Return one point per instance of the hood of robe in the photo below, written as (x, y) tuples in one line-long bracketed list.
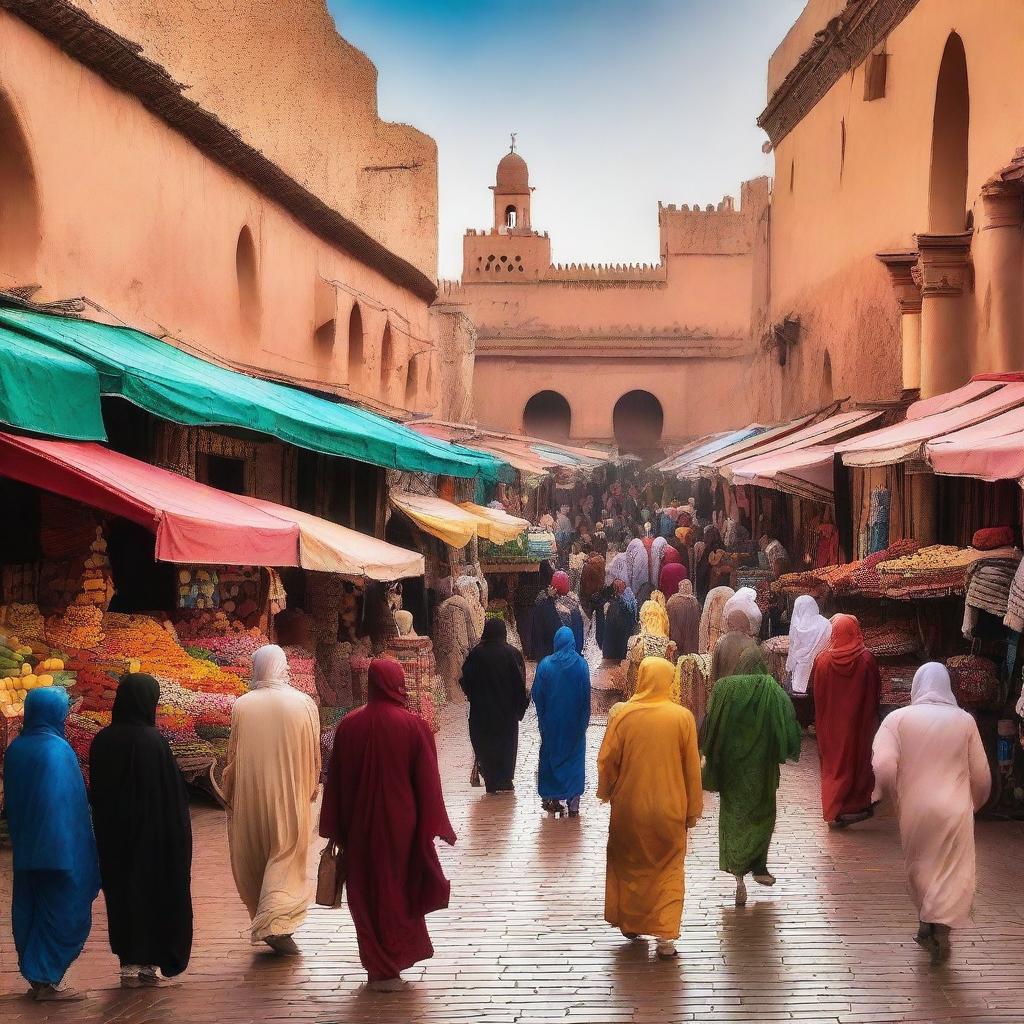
[(932, 685), (135, 702), (386, 682), (269, 669)]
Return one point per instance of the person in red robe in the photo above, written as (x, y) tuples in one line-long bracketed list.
[(845, 684), (384, 807)]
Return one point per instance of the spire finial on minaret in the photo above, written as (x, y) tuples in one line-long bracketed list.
[(512, 148)]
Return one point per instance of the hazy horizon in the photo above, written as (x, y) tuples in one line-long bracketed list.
[(616, 106)]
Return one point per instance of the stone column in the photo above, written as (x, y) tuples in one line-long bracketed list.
[(902, 267), (945, 269), (1001, 236)]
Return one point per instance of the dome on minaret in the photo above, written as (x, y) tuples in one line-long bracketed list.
[(513, 176)]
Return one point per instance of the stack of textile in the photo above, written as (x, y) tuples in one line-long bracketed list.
[(988, 588), (975, 680), (776, 651), (878, 520), (1014, 618), (540, 544), (690, 686)]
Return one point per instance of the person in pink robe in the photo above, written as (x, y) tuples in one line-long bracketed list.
[(929, 758)]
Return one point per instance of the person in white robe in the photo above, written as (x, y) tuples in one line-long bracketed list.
[(929, 758), (809, 633), (270, 784)]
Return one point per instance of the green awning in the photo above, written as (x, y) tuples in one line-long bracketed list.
[(178, 386), (45, 391)]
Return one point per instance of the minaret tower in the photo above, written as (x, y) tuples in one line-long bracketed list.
[(512, 190)]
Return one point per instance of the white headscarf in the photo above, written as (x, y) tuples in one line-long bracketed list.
[(809, 633), (932, 686), (269, 669), (744, 600)]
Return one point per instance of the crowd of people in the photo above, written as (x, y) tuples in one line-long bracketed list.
[(129, 835)]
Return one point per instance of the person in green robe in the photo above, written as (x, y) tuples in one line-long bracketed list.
[(750, 729)]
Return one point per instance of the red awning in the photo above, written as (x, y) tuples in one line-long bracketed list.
[(991, 450), (906, 440), (192, 522)]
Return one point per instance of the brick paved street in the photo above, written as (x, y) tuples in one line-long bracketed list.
[(524, 941)]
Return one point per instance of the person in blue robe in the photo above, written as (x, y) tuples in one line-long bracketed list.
[(56, 871), (561, 694)]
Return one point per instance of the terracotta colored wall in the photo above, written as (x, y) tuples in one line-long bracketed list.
[(840, 211), (278, 72), (134, 217), (676, 329)]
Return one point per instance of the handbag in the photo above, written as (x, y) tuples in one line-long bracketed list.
[(330, 876)]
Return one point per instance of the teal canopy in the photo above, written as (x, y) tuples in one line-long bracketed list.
[(45, 391), (178, 386)]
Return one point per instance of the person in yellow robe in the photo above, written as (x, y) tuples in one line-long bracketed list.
[(649, 769)]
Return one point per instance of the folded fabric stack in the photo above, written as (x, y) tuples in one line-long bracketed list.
[(540, 544), (975, 680), (1014, 618), (988, 589)]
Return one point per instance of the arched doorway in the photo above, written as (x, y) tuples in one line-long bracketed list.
[(637, 421), (947, 185), (20, 221), (547, 414)]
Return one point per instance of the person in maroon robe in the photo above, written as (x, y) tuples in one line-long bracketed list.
[(845, 684), (383, 805)]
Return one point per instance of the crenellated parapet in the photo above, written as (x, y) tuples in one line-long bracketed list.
[(605, 272)]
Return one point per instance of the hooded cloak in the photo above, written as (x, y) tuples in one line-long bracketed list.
[(383, 804), (56, 874), (683, 618), (845, 685), (143, 833), (809, 634), (561, 694), (494, 681)]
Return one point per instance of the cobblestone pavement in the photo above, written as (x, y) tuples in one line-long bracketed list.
[(523, 940)]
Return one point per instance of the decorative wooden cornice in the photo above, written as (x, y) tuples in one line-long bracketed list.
[(902, 267), (119, 60), (550, 345), (841, 45), (945, 264)]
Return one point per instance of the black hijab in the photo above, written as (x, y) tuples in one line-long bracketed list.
[(143, 832)]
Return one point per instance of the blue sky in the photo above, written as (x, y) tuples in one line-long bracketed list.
[(616, 104)]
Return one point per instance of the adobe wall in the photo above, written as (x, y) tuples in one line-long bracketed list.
[(835, 206), (278, 72), (133, 216)]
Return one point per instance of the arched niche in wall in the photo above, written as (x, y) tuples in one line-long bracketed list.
[(825, 391), (412, 382), (637, 421), (247, 278), (947, 182), (355, 347), (20, 214), (387, 365), (547, 414)]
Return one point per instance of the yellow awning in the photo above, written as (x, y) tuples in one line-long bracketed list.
[(439, 518), (495, 525), (329, 547)]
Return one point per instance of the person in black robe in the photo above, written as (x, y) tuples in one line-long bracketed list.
[(143, 836), (494, 681), (620, 622)]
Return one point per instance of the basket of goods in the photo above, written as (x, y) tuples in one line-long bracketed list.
[(975, 680), (938, 570), (510, 551)]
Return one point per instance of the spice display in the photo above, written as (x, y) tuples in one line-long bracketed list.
[(975, 680), (935, 571), (23, 620)]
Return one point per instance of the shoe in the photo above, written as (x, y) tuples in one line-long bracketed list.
[(387, 985), (282, 945), (845, 820), (55, 994), (553, 806), (667, 950), (632, 936), (741, 893), (154, 979), (574, 814), (765, 879), (130, 981), (940, 939)]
